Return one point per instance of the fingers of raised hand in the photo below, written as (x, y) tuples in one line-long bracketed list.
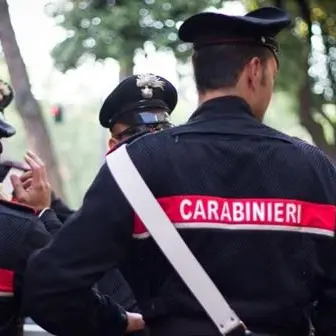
[(32, 163), (20, 192), (35, 158), (38, 170), (27, 183), (26, 176)]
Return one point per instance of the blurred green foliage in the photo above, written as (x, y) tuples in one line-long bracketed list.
[(308, 50), (293, 46), (94, 28), (308, 65)]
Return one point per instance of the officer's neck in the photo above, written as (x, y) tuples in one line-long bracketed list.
[(221, 93), (209, 95)]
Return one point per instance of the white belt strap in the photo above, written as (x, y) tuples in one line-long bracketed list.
[(170, 242)]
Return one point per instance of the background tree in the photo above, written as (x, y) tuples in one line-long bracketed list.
[(28, 108), (308, 66), (308, 51), (101, 30)]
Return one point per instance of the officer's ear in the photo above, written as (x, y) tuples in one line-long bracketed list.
[(112, 142)]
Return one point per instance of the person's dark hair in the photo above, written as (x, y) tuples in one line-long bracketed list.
[(219, 66)]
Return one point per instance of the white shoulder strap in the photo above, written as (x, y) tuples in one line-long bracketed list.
[(169, 240)]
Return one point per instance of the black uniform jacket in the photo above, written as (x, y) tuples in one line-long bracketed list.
[(112, 283), (256, 207), (21, 233)]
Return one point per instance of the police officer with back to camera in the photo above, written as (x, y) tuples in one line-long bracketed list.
[(23, 229), (255, 206)]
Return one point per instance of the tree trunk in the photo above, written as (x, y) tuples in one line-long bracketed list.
[(307, 107), (126, 68), (313, 127), (27, 106)]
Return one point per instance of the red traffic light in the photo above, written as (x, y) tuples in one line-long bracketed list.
[(57, 113)]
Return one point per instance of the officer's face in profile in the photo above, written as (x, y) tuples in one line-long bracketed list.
[(118, 134), (259, 78)]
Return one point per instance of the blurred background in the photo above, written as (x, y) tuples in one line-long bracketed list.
[(64, 57)]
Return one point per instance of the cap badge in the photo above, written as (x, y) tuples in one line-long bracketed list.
[(147, 82)]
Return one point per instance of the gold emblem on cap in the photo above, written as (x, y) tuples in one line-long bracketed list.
[(147, 82)]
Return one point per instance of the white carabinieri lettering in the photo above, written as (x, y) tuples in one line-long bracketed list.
[(240, 211)]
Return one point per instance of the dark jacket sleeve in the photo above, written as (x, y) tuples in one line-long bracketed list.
[(114, 285), (51, 221), (59, 278), (20, 236), (62, 211)]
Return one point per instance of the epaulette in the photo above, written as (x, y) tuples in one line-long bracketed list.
[(18, 206)]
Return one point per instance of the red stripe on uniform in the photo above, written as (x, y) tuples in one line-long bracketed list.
[(6, 282), (192, 212)]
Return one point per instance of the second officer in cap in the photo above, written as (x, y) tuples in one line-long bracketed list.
[(139, 104), (255, 206)]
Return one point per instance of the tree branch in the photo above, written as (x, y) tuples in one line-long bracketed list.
[(328, 53), (306, 104), (330, 122)]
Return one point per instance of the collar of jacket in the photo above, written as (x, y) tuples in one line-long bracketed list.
[(127, 141), (230, 106), (227, 115)]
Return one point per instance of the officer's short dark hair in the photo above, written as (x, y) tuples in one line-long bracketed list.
[(219, 66), (123, 119)]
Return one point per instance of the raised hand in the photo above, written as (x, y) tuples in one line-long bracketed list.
[(33, 188)]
